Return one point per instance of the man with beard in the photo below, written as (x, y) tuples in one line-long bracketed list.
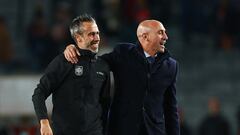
[(144, 101), (79, 91)]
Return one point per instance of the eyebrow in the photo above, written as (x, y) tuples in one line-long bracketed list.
[(94, 32), (161, 30)]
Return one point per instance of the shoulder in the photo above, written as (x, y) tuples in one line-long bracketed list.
[(60, 59), (172, 60), (58, 62), (169, 62), (172, 64)]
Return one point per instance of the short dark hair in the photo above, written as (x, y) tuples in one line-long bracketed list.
[(76, 25)]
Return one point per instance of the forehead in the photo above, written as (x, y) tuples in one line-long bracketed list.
[(90, 26), (158, 26)]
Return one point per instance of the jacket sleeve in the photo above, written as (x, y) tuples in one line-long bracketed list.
[(170, 108), (113, 57), (49, 82)]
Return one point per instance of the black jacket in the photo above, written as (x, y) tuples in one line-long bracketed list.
[(144, 94), (79, 91)]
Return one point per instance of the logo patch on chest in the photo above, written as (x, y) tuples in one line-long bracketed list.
[(78, 70)]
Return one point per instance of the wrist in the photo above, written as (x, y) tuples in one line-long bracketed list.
[(44, 122)]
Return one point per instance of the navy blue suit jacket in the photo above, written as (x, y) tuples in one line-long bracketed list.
[(143, 93)]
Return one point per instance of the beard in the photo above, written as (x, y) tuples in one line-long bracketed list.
[(93, 46)]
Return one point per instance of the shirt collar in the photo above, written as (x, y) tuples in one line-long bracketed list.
[(148, 55)]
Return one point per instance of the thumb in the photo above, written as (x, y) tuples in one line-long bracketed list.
[(78, 53)]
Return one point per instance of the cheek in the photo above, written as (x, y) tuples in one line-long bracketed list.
[(88, 41), (91, 38), (155, 40)]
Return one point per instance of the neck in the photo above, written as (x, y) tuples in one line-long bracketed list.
[(150, 51), (80, 47)]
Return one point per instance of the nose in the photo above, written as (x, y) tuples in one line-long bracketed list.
[(165, 36), (96, 36)]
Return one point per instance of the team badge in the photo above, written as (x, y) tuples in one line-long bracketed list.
[(78, 70)]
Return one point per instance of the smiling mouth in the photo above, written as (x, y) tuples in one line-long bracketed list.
[(94, 43), (162, 46), (163, 43)]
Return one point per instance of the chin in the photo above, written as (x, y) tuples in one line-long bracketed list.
[(161, 50), (95, 50)]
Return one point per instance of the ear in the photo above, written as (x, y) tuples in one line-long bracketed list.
[(78, 38), (145, 36)]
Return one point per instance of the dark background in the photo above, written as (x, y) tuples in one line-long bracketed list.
[(203, 37)]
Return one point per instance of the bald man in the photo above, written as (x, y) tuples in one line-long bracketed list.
[(144, 101)]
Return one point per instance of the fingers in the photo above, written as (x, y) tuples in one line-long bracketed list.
[(78, 53), (66, 55), (46, 133), (71, 54)]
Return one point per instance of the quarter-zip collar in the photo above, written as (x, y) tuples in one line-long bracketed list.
[(87, 53)]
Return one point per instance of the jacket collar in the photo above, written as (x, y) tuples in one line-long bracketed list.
[(86, 53), (159, 55)]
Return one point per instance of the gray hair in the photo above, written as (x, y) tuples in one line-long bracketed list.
[(76, 25)]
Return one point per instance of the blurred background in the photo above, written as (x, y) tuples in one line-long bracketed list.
[(203, 37)]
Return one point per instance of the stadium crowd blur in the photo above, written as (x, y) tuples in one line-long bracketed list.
[(204, 36)]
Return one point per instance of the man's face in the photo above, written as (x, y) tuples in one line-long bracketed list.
[(90, 37), (157, 37)]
